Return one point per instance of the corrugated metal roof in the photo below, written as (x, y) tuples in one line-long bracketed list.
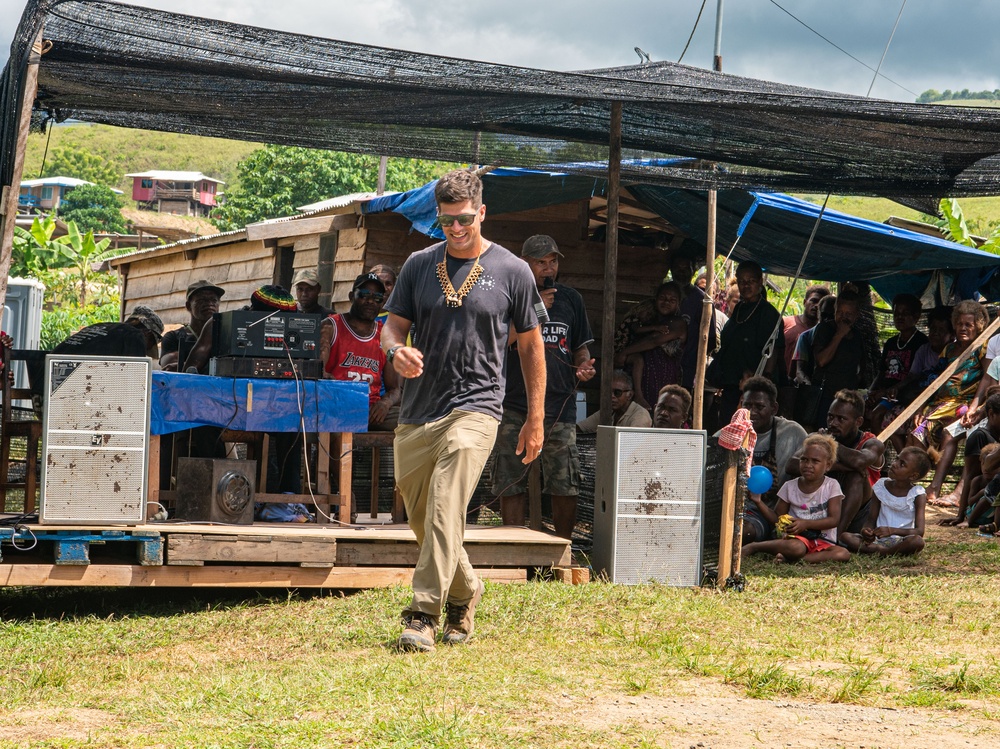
[(62, 181), (340, 201), (176, 176)]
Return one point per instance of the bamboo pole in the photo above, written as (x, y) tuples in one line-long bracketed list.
[(942, 378), (706, 314), (611, 262), (8, 197)]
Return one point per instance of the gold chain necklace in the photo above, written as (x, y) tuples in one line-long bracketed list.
[(747, 318), (454, 298)]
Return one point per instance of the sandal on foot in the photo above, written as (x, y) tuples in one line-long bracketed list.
[(989, 529)]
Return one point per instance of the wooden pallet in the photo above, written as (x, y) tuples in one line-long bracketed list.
[(264, 555), (72, 547), (233, 576)]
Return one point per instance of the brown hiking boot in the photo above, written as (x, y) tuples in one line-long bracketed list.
[(419, 633), (460, 621)]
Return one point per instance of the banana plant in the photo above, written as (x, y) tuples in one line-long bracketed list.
[(956, 229), (83, 252), (34, 250)]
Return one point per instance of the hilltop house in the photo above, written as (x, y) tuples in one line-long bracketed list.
[(46, 193), (182, 193)]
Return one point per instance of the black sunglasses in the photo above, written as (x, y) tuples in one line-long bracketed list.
[(378, 296), (463, 219), (619, 393)]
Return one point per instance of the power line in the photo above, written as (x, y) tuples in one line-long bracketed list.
[(832, 44), (684, 51)]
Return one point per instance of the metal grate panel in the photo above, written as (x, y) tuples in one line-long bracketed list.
[(96, 440), (648, 513)]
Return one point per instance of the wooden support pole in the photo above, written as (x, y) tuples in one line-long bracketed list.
[(611, 262), (9, 193), (706, 314), (728, 512), (942, 378)]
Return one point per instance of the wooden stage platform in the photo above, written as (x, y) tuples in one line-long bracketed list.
[(261, 555)]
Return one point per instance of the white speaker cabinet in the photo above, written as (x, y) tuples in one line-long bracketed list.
[(95, 440), (648, 505)]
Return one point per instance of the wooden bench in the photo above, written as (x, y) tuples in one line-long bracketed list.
[(377, 441)]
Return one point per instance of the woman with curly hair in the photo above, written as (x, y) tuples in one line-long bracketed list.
[(951, 401)]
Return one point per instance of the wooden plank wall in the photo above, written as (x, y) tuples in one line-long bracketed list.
[(161, 282)]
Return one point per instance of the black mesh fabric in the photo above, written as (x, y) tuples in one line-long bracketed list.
[(137, 67)]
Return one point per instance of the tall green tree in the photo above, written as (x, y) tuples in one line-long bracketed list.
[(73, 161), (276, 180), (94, 208)]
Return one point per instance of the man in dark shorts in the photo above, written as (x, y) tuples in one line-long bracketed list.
[(566, 335), (464, 298)]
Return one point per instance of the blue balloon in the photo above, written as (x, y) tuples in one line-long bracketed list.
[(759, 480)]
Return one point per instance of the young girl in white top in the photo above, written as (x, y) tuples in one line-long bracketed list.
[(895, 523), (813, 501)]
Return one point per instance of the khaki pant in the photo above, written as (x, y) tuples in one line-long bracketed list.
[(437, 468)]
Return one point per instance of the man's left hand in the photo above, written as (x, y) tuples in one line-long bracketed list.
[(586, 371)]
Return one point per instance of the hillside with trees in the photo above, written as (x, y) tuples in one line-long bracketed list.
[(105, 154), (965, 97)]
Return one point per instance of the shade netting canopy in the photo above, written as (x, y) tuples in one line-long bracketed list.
[(768, 228), (138, 67)]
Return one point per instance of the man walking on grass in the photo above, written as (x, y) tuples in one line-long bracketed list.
[(464, 298)]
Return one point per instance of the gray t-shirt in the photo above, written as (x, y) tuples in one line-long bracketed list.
[(463, 347)]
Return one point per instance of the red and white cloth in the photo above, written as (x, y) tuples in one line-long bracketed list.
[(736, 431)]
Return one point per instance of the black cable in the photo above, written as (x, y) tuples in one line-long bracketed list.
[(694, 29), (45, 154), (832, 44)]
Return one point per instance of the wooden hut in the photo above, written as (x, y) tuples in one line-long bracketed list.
[(340, 242)]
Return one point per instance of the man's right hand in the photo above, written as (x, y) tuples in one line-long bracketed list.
[(408, 362), (548, 297)]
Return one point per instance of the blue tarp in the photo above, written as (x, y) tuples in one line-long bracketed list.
[(184, 401), (775, 229)]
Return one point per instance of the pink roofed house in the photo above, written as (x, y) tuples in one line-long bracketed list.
[(179, 193)]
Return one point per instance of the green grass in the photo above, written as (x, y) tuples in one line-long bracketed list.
[(169, 668)]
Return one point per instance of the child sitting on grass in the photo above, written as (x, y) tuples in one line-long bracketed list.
[(813, 501), (984, 490), (895, 522)]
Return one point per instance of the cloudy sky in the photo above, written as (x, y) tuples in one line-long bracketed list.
[(936, 45)]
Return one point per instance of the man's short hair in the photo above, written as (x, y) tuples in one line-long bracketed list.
[(621, 374), (459, 185), (750, 265), (678, 391), (992, 404), (761, 385), (909, 302), (817, 289), (853, 399)]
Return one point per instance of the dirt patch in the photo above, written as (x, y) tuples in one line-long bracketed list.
[(727, 722), (70, 724)]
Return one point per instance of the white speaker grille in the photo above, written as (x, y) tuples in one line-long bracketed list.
[(96, 440), (648, 512)]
